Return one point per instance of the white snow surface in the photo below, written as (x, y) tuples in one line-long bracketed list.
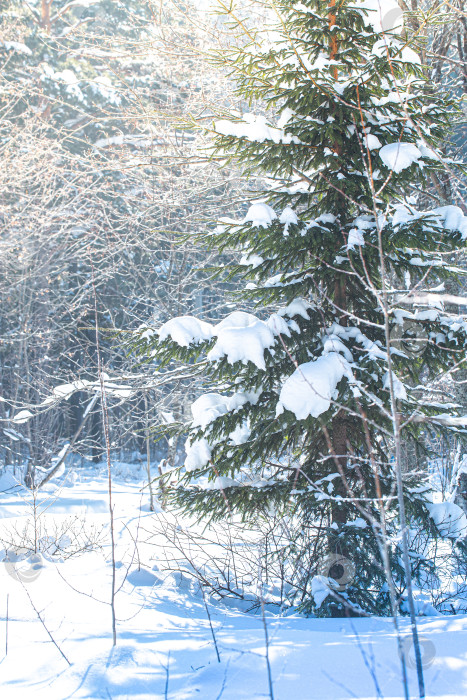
[(310, 389), (400, 155), (449, 518), (210, 406), (260, 214), (185, 330), (66, 76), (205, 410), (252, 260), (348, 332), (297, 307), (372, 142), (159, 612), (22, 417), (399, 388), (427, 151), (240, 434), (450, 217), (320, 588), (355, 238), (288, 217), (198, 454), (17, 46), (242, 337), (254, 127), (162, 623)]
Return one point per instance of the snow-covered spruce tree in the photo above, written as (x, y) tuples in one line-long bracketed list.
[(299, 416)]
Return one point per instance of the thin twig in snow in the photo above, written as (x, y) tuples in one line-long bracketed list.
[(43, 623)]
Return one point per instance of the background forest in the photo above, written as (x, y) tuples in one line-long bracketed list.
[(101, 174)]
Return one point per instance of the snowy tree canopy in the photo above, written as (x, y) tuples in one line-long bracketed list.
[(349, 134)]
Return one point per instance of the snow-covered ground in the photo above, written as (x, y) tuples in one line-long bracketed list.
[(165, 647)]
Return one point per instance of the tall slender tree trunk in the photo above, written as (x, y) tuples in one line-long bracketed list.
[(339, 423), (45, 15)]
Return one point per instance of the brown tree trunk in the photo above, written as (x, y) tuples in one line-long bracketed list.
[(339, 423), (45, 15), (332, 22)]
